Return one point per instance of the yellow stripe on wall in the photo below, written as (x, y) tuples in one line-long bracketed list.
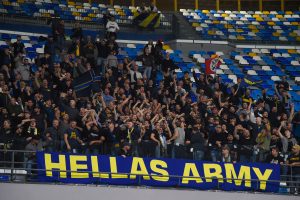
[(148, 20)]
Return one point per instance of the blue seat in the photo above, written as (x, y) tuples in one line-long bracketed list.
[(5, 36), (296, 97), (295, 87)]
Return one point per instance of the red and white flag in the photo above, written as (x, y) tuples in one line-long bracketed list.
[(212, 64)]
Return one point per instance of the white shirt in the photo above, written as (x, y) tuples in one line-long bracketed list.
[(154, 9), (138, 76), (112, 26)]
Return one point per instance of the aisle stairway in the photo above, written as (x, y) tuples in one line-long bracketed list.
[(185, 30)]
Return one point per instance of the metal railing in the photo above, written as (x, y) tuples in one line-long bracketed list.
[(14, 167), (165, 21)]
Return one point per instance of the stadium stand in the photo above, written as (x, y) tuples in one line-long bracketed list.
[(70, 10), (245, 25), (99, 95)]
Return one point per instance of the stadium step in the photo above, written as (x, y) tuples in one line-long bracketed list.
[(185, 30)]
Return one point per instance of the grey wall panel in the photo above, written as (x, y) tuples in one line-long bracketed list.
[(13, 191)]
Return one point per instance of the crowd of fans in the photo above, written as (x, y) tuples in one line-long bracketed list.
[(134, 114)]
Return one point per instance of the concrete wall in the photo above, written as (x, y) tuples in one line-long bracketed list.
[(13, 191), (186, 47)]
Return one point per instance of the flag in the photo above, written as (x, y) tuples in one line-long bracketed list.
[(251, 81), (147, 20), (86, 84), (211, 64)]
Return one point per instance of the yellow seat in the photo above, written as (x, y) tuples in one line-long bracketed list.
[(71, 3), (78, 7), (87, 19), (295, 23), (271, 23), (75, 13), (216, 22), (292, 51), (195, 24), (259, 19), (255, 31), (279, 16), (205, 11), (46, 15), (228, 26), (210, 32), (298, 38), (240, 37), (276, 34), (239, 30), (256, 16), (224, 15), (6, 3), (166, 47), (266, 12), (252, 54), (293, 34), (288, 12), (92, 15), (252, 26)]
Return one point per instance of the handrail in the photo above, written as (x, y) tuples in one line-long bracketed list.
[(15, 175), (169, 176)]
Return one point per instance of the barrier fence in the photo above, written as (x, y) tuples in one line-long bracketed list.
[(21, 166)]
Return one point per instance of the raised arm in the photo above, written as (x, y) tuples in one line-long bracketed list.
[(279, 130), (292, 113), (174, 137)]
